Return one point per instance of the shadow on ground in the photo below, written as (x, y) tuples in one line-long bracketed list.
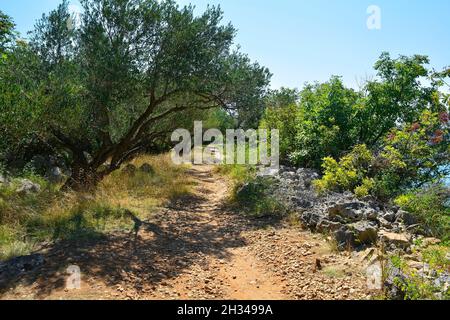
[(178, 236)]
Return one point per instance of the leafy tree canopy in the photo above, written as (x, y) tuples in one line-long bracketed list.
[(329, 119), (7, 34), (128, 74)]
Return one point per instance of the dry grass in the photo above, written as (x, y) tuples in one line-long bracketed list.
[(143, 192), (51, 215), (335, 271), (293, 220), (331, 244)]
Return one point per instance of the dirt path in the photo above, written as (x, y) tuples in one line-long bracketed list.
[(196, 248), (233, 274)]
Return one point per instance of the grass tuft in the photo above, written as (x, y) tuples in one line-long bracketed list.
[(51, 215)]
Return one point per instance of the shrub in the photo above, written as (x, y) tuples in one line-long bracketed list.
[(430, 206), (283, 118), (364, 189), (240, 174), (324, 125), (252, 194), (329, 118), (437, 257), (347, 174), (255, 199), (414, 284), (412, 156)]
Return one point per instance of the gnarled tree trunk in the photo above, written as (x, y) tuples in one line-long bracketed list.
[(83, 178)]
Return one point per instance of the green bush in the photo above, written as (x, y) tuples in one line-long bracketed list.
[(329, 119), (251, 194), (255, 199), (414, 155), (416, 286), (240, 174), (325, 125), (430, 206), (283, 118), (347, 174)]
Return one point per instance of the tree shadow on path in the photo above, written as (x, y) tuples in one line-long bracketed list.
[(180, 235)]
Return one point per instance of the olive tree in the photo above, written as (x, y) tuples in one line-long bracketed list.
[(131, 71), (7, 34)]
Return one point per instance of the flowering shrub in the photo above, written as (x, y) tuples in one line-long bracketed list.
[(410, 157)]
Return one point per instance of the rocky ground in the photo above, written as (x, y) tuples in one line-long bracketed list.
[(352, 222), (195, 248), (355, 225)]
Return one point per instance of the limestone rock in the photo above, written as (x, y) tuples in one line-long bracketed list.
[(3, 180), (365, 232), (399, 240), (344, 238), (353, 221), (55, 175), (28, 187)]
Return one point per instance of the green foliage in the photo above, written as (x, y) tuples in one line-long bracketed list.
[(281, 113), (7, 34), (350, 173), (239, 174), (324, 122), (283, 119), (22, 97), (412, 156), (52, 38), (251, 194), (415, 285), (281, 98), (254, 199), (219, 119), (437, 257), (396, 97), (313, 123), (329, 119), (364, 189), (122, 80), (430, 206)]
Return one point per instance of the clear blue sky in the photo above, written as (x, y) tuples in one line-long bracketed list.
[(308, 40)]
